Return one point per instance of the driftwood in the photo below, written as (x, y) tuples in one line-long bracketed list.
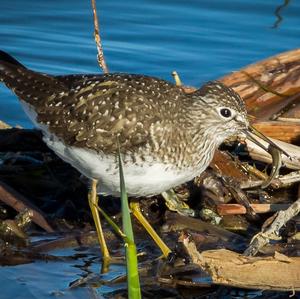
[(232, 269), (270, 89)]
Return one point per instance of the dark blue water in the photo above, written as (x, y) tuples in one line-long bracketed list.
[(202, 40)]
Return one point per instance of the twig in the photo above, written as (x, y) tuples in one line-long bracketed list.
[(240, 196), (272, 231), (100, 55), (277, 13), (238, 209), (280, 182), (263, 86), (251, 184), (288, 179), (289, 119)]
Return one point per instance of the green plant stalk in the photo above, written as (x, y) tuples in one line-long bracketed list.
[(113, 224), (133, 282)]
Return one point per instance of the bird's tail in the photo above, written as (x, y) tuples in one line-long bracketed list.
[(6, 58), (28, 85)]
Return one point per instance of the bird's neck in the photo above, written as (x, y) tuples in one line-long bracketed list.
[(205, 143)]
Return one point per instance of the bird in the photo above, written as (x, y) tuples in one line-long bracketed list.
[(166, 136)]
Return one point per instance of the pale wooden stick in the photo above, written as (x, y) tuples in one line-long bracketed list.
[(259, 154), (280, 182), (100, 55)]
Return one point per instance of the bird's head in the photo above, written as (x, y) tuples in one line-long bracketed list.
[(221, 111), (222, 114)]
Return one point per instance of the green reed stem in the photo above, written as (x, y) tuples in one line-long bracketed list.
[(133, 282)]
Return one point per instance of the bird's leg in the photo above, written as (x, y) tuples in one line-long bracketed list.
[(175, 204), (136, 211), (93, 202)]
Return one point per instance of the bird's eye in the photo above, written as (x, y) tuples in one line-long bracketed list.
[(225, 112)]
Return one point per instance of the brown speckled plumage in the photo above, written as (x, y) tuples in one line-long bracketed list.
[(151, 117)]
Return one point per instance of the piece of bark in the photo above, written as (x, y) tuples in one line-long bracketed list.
[(224, 164), (281, 130), (235, 270), (288, 179), (17, 201), (268, 84), (279, 182)]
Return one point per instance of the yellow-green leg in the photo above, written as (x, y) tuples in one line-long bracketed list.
[(136, 211), (93, 202)]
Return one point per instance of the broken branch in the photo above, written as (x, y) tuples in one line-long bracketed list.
[(273, 230), (17, 201)]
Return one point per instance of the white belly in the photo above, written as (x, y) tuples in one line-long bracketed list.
[(145, 179), (141, 180)]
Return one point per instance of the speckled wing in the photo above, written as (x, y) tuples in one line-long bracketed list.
[(93, 110), (98, 109)]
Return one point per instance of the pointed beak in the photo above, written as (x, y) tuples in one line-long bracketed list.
[(251, 132)]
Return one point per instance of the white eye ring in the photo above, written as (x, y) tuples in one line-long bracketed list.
[(226, 112)]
